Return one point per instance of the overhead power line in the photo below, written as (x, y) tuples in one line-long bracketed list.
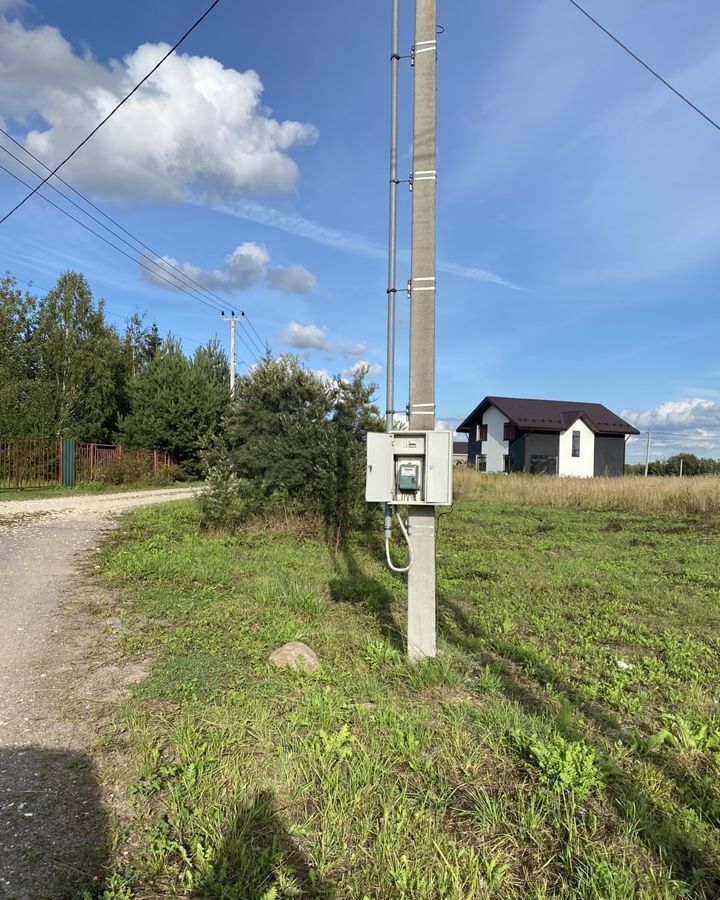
[(124, 316), (646, 66), (112, 111), (176, 285), (157, 258)]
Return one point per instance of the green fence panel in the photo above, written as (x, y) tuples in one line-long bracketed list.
[(68, 462)]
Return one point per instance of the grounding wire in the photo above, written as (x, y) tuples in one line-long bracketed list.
[(156, 274), (157, 257), (401, 569), (112, 111), (645, 65)]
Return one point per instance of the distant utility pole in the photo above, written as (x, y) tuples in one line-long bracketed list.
[(647, 453), (231, 319), (421, 408), (681, 462)]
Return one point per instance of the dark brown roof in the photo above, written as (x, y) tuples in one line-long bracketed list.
[(460, 448), (551, 415)]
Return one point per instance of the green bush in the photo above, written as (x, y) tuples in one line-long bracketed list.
[(130, 469), (122, 470), (228, 501)]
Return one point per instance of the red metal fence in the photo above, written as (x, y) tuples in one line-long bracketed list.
[(29, 462), (37, 462)]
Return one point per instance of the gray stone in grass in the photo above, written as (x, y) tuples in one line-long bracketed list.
[(295, 655)]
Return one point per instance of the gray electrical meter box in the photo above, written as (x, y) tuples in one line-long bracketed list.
[(412, 468)]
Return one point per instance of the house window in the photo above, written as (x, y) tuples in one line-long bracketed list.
[(576, 443), (508, 431), (481, 462), (481, 432), (507, 463), (543, 465)]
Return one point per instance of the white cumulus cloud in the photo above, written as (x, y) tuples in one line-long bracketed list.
[(677, 426), (692, 413), (372, 370), (291, 280), (242, 269), (196, 128), (314, 337)]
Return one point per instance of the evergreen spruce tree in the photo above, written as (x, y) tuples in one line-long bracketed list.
[(176, 404)]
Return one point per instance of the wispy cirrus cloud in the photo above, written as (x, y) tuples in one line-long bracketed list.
[(338, 238)]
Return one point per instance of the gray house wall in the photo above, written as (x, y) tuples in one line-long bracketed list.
[(610, 455), (540, 443)]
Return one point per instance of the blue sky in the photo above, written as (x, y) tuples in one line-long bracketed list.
[(578, 225)]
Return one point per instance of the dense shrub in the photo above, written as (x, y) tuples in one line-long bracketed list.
[(130, 469), (292, 441)]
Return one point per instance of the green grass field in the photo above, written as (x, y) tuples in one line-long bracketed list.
[(566, 742)]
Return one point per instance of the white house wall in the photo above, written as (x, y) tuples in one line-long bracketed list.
[(582, 466), (494, 447)]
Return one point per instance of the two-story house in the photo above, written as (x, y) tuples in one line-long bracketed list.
[(553, 437)]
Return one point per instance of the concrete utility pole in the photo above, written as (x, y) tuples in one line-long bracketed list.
[(421, 409), (232, 350), (647, 453)]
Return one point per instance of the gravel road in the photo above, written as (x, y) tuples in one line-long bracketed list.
[(53, 684)]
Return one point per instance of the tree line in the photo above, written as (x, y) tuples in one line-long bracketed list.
[(64, 370), (691, 465)]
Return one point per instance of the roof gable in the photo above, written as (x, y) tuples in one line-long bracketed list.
[(551, 415)]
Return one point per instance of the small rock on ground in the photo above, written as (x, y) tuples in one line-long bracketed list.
[(295, 655)]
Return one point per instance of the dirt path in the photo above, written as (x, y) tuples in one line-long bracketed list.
[(54, 686)]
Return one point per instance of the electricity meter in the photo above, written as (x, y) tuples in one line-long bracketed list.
[(408, 477)]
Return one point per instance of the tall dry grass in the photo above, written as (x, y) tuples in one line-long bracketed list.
[(685, 496)]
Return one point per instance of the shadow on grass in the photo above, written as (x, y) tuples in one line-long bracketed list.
[(684, 849), (53, 825), (352, 584), (259, 858)]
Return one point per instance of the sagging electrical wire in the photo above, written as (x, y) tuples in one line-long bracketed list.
[(393, 567), (191, 285)]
